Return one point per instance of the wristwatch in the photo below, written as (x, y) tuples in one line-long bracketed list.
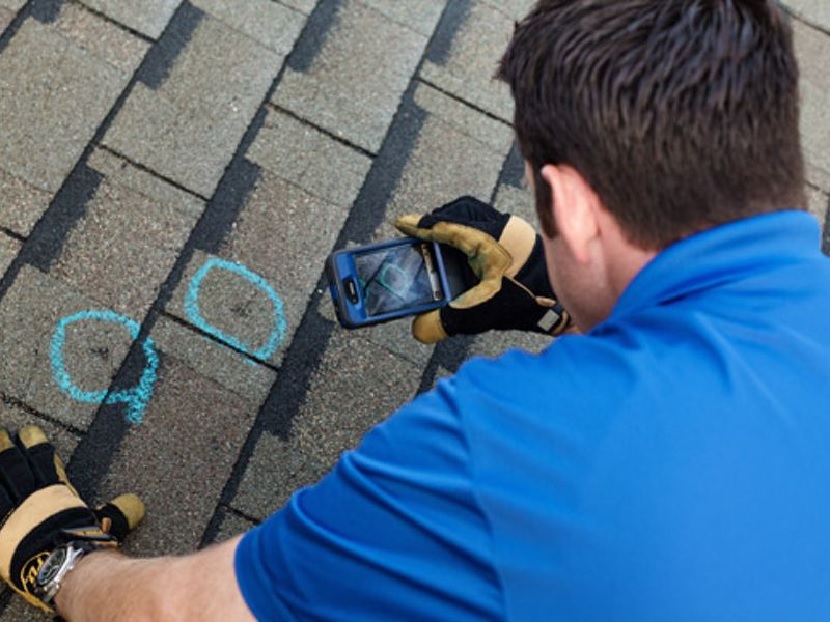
[(57, 565)]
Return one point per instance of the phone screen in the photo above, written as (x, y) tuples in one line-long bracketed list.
[(398, 278)]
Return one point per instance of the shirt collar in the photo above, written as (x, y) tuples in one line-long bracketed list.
[(722, 255)]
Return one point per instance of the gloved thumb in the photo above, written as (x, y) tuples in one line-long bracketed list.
[(121, 515), (428, 327)]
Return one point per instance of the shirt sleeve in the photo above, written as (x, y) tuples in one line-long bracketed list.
[(393, 532)]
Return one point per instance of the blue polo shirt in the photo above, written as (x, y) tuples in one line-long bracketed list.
[(671, 465)]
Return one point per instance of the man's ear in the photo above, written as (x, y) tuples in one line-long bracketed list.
[(574, 208)]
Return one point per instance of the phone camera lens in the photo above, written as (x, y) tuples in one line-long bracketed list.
[(350, 287)]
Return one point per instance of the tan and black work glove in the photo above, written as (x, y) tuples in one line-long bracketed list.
[(40, 510), (510, 288)]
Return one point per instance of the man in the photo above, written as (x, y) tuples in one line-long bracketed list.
[(670, 463)]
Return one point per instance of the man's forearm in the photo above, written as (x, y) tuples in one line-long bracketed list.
[(109, 586)]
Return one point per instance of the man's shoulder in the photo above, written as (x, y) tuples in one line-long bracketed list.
[(666, 358), (563, 363), (581, 373)]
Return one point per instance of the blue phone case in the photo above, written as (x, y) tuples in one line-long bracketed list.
[(381, 282)]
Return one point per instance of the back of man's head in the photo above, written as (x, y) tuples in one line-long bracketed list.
[(680, 114)]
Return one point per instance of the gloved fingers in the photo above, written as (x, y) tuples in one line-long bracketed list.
[(32, 435), (121, 515), (515, 234), (44, 461), (409, 225), (466, 239), (469, 211), (487, 258), (5, 440), (16, 476)]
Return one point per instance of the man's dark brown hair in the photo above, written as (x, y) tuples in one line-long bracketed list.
[(680, 114)]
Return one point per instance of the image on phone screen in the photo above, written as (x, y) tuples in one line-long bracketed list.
[(398, 278)]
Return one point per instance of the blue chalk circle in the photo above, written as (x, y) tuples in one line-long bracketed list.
[(136, 398), (191, 306)]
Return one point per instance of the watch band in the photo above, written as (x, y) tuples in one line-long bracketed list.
[(55, 568)]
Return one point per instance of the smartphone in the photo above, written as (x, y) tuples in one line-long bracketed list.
[(397, 278)]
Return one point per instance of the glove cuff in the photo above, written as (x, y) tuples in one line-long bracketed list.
[(553, 320)]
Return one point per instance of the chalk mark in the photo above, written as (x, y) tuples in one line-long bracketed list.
[(194, 315), (136, 398)]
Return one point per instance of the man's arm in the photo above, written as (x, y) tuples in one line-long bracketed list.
[(109, 586)]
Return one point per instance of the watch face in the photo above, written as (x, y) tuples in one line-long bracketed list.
[(51, 567)]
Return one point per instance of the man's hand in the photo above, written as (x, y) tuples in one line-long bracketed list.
[(506, 255), (40, 511)]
